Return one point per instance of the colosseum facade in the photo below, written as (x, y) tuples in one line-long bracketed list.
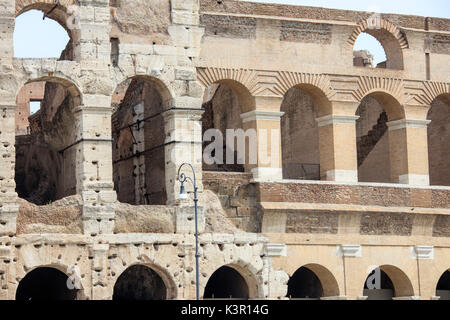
[(358, 182)]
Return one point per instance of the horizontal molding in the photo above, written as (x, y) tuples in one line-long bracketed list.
[(261, 115), (408, 123)]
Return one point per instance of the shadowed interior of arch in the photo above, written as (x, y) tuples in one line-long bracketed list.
[(438, 137), (139, 141), (45, 284), (304, 284), (443, 286), (223, 104), (226, 283), (373, 139), (45, 163), (387, 282), (300, 136), (312, 282), (139, 283), (385, 290)]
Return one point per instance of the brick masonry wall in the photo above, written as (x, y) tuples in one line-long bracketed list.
[(237, 196), (353, 195), (291, 11)]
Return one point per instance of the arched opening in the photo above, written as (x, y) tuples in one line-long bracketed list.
[(443, 287), (378, 47), (384, 291), (300, 136), (304, 284), (312, 282), (139, 141), (438, 138), (224, 102), (46, 148), (35, 37), (45, 284), (387, 282), (226, 283), (373, 140), (368, 52), (140, 283)]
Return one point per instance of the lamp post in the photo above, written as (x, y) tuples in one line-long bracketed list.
[(183, 196)]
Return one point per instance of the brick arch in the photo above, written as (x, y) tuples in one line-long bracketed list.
[(392, 39), (385, 25), (432, 91), (388, 92), (243, 83), (318, 86)]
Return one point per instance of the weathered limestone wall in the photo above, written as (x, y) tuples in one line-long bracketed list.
[(260, 51)]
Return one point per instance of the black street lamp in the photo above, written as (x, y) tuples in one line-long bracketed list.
[(183, 196)]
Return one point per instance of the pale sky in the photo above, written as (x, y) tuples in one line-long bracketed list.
[(35, 38)]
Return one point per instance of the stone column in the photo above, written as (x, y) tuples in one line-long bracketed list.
[(7, 20), (91, 41), (337, 146), (94, 169), (9, 207), (408, 149), (99, 272), (265, 124), (183, 144)]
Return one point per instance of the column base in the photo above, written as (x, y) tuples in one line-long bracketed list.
[(260, 173), (415, 179), (350, 176)]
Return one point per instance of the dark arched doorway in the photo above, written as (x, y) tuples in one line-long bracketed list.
[(379, 286), (139, 283), (226, 283), (45, 284), (443, 286)]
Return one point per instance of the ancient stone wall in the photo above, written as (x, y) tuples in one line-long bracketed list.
[(265, 228)]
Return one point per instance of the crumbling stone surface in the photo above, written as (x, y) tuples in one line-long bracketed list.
[(251, 55), (216, 219), (144, 219), (386, 224), (143, 18), (312, 223), (62, 216), (441, 226)]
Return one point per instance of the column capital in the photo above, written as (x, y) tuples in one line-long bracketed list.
[(261, 115), (336, 119), (408, 124), (192, 114)]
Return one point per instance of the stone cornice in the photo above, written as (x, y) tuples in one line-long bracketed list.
[(408, 123), (336, 119), (261, 115)]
